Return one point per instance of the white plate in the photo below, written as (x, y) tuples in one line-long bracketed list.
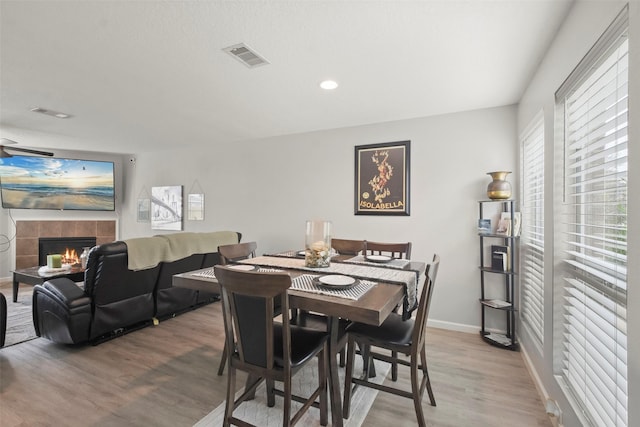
[(378, 258), (301, 253), (336, 280), (243, 267)]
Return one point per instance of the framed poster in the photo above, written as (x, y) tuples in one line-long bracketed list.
[(144, 209), (195, 207), (382, 178), (166, 208)]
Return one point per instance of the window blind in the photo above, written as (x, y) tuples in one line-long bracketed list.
[(593, 231), (532, 236)]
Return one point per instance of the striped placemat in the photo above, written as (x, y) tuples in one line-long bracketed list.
[(210, 274), (394, 263), (306, 283)]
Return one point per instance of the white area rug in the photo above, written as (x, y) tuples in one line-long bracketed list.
[(258, 413)]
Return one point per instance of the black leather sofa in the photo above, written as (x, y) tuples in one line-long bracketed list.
[(118, 297)]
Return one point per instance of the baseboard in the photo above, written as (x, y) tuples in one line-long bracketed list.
[(459, 327), (542, 391)]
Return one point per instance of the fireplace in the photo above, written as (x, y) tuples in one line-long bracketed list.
[(69, 247)]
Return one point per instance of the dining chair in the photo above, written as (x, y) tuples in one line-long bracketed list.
[(3, 319), (348, 247), (237, 252), (401, 337), (394, 250), (267, 350), (228, 255)]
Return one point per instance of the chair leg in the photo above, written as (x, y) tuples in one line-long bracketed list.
[(348, 374), (423, 356), (223, 359), (394, 366), (342, 357), (271, 395), (286, 404), (322, 378), (367, 362), (415, 391), (231, 393)]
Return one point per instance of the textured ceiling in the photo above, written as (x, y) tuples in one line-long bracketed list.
[(149, 75)]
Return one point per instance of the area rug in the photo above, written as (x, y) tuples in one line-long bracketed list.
[(258, 413), (19, 317)]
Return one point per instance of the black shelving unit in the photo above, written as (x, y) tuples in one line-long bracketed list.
[(506, 305)]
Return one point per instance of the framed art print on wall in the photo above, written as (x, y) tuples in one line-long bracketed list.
[(382, 178), (166, 208)]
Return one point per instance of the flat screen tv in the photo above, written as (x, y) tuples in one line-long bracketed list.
[(28, 182)]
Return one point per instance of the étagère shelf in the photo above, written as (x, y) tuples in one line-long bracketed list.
[(499, 271)]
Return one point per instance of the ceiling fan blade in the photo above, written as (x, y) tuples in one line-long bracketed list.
[(24, 150)]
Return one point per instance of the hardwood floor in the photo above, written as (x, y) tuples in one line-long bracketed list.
[(166, 376)]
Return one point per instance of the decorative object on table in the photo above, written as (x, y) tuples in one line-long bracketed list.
[(499, 188), (54, 261), (382, 178), (317, 244), (84, 256), (166, 208), (484, 226)]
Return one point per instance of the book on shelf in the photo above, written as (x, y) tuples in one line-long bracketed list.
[(484, 226), (500, 257), (497, 303)]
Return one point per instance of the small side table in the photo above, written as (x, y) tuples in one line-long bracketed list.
[(30, 276)]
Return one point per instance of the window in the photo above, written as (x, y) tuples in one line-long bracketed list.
[(532, 240), (591, 238)]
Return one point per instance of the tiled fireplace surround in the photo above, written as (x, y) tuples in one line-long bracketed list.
[(28, 232)]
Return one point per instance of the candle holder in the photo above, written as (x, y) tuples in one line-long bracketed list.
[(317, 252)]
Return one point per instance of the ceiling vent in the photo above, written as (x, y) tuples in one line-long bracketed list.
[(244, 54)]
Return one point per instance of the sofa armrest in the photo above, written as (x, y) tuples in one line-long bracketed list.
[(66, 292), (61, 311)]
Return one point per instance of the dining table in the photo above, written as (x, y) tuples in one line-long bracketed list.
[(382, 286)]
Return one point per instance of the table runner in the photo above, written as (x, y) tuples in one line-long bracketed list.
[(408, 278), (306, 283)]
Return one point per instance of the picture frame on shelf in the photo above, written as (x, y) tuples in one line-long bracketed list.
[(484, 226), (382, 178), (516, 225), (504, 227)]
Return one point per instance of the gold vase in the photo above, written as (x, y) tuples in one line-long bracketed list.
[(499, 188)]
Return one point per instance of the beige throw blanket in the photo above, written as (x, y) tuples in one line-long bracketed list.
[(147, 252)]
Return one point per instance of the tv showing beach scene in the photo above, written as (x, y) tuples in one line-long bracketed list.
[(28, 182)]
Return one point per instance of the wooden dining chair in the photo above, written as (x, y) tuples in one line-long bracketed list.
[(237, 252), (267, 350), (394, 250), (229, 254), (348, 247), (401, 337)]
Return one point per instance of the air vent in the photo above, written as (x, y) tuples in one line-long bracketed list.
[(244, 54)]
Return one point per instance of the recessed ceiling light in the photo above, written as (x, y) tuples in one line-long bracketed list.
[(51, 113), (329, 85)]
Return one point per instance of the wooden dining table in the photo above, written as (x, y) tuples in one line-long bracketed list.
[(371, 308)]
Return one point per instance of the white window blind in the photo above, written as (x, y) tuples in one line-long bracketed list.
[(532, 236), (593, 230)]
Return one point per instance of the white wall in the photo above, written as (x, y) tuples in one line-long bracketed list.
[(267, 189), (586, 22)]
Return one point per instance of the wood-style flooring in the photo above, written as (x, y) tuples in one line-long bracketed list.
[(166, 376)]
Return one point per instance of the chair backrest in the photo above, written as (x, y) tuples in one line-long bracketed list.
[(422, 314), (348, 247), (394, 250), (236, 252), (248, 310)]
